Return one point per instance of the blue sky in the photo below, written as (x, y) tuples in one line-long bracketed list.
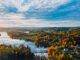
[(40, 13), (69, 11)]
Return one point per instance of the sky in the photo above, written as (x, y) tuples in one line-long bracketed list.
[(39, 13)]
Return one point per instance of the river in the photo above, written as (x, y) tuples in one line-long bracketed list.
[(6, 40)]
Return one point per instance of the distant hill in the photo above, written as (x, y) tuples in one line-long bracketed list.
[(38, 28)]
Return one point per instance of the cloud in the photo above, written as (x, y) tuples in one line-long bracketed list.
[(42, 9), (33, 4), (68, 10), (16, 20), (45, 4), (39, 13), (38, 23)]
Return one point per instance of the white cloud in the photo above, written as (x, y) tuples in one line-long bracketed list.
[(42, 4), (16, 20), (37, 4), (38, 23)]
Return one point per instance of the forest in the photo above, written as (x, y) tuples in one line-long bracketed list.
[(61, 44)]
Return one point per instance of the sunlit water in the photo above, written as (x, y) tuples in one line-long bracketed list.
[(6, 40)]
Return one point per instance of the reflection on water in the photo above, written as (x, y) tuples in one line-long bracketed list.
[(6, 40), (38, 51)]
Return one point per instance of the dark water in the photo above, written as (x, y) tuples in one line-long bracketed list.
[(21, 57), (17, 57)]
